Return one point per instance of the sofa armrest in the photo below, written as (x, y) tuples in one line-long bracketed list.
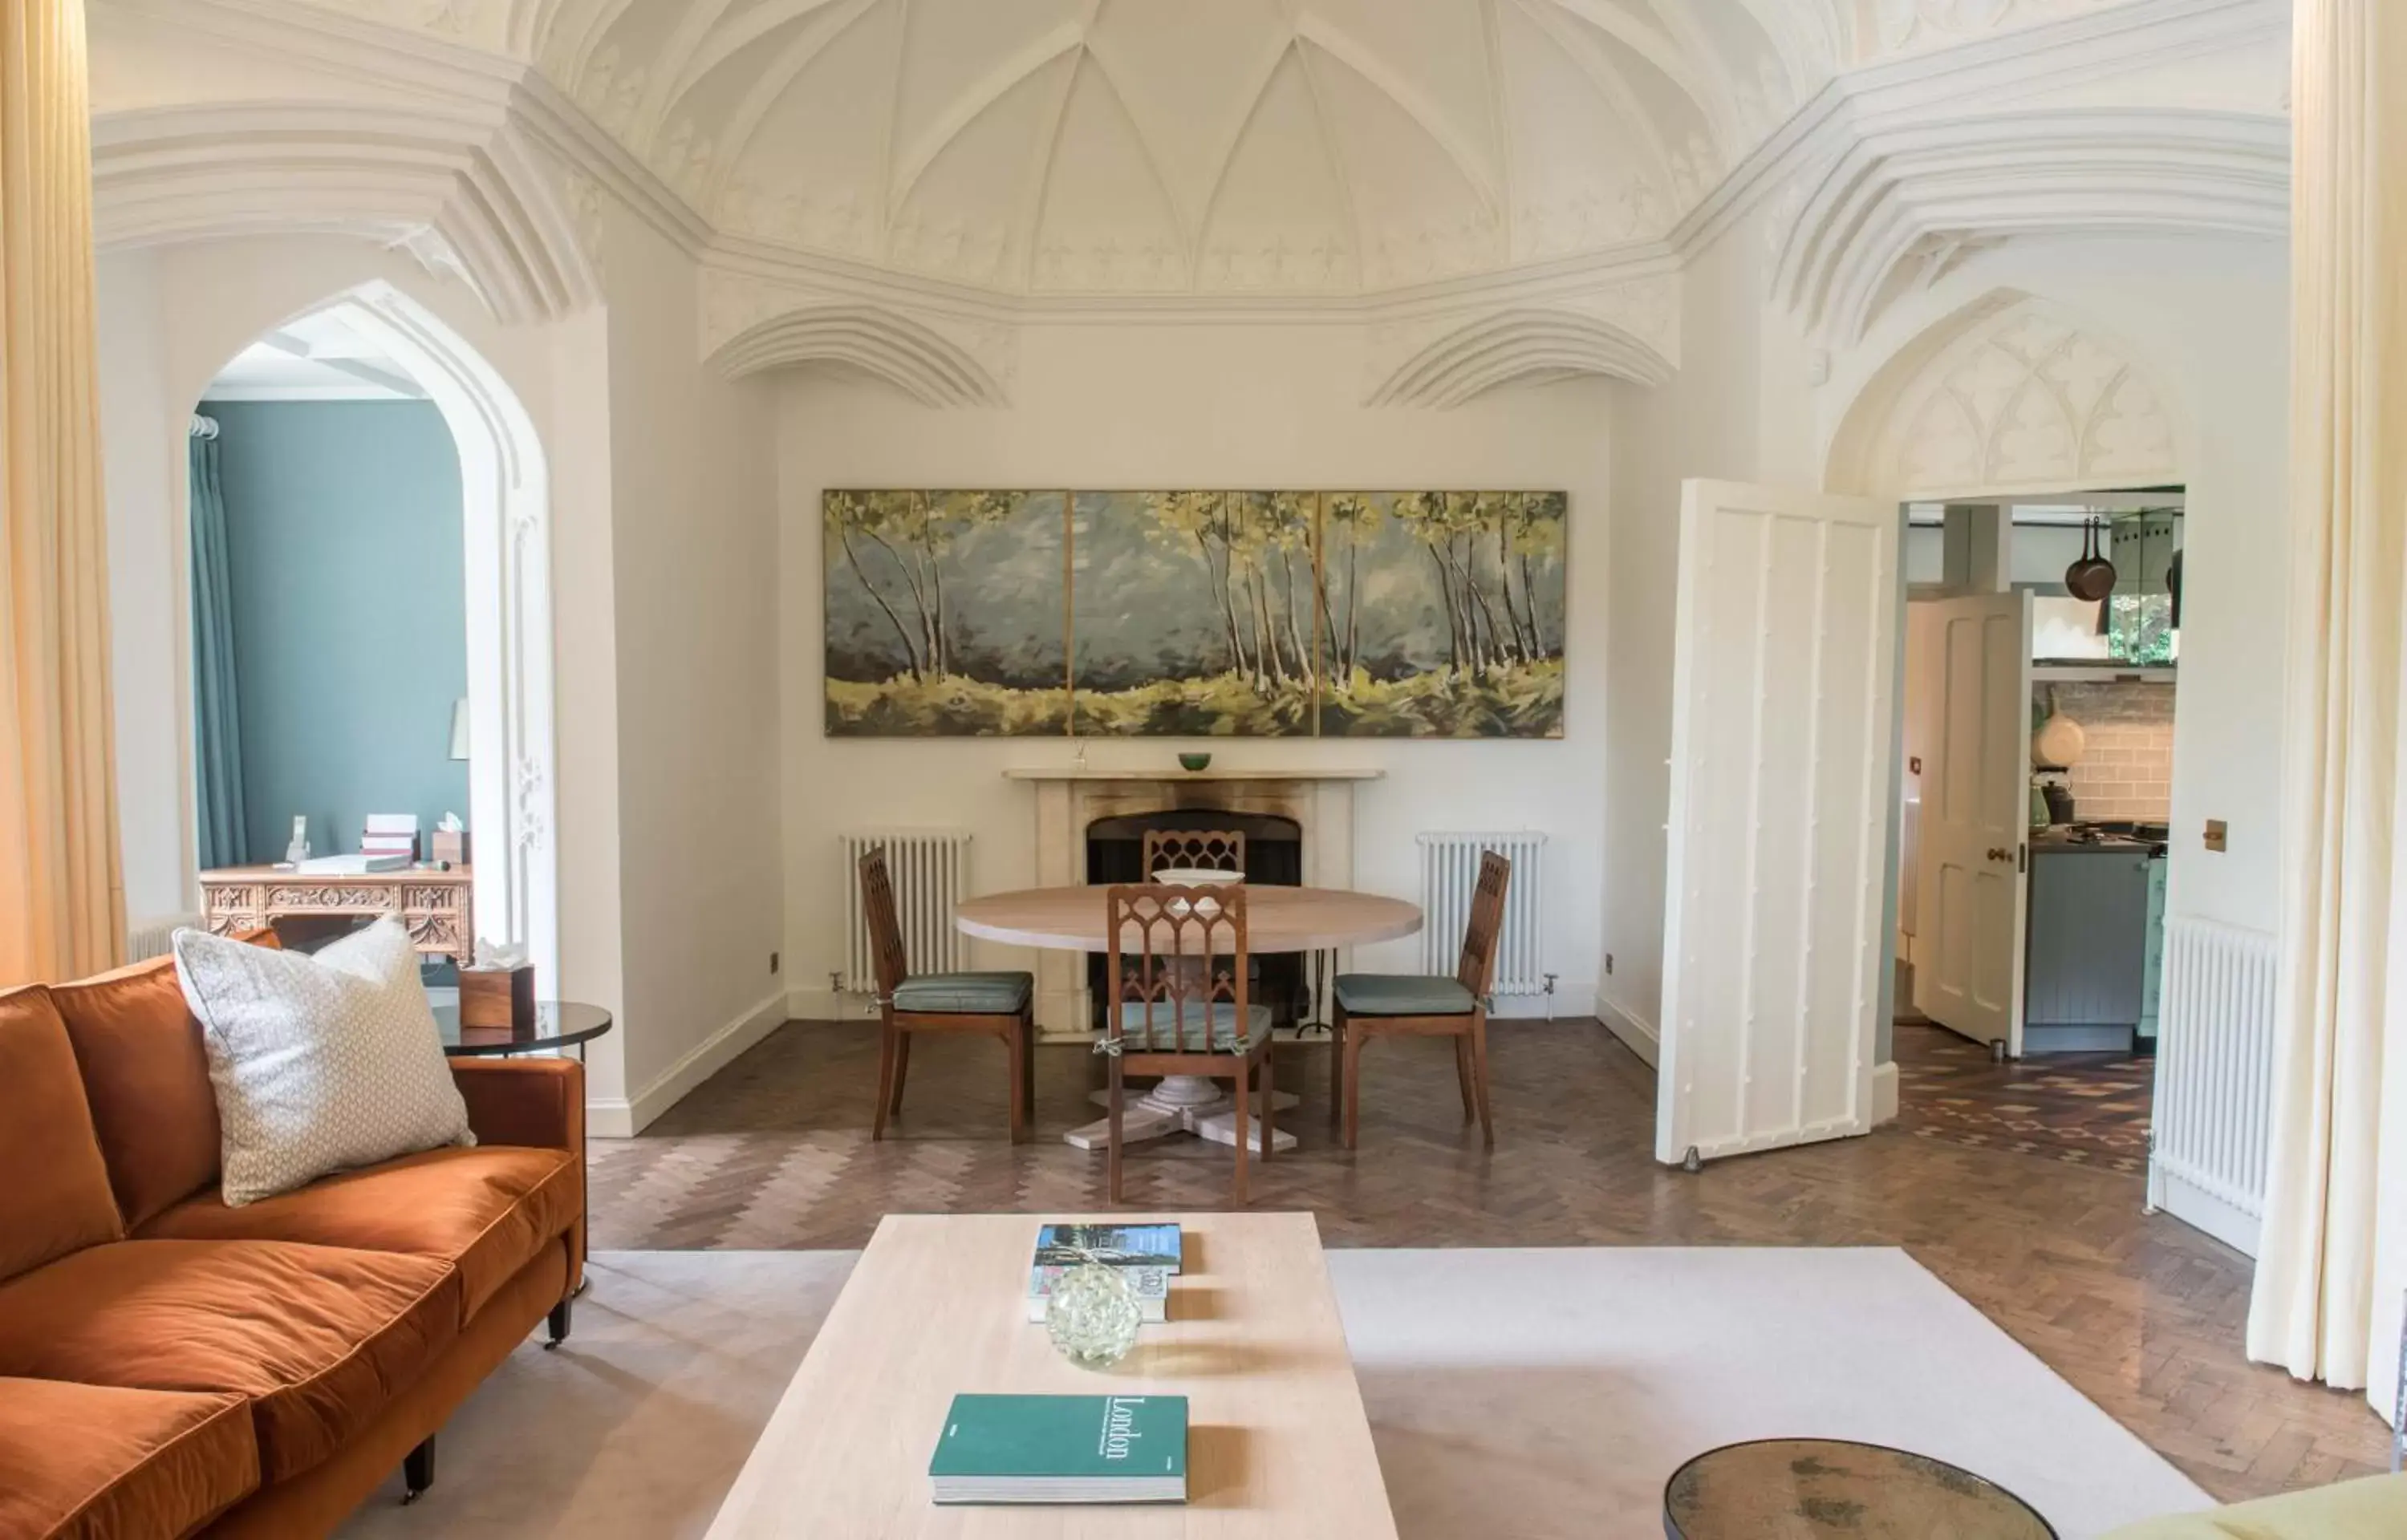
[(526, 1101), (536, 1103)]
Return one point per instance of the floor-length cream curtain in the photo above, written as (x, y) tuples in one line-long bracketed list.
[(2327, 1275), (62, 905)]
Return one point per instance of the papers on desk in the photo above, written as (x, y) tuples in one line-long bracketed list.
[(351, 865)]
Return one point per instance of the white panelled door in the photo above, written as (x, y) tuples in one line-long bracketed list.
[(1784, 671), (1968, 972)]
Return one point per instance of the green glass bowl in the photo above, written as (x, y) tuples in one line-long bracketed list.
[(1195, 761)]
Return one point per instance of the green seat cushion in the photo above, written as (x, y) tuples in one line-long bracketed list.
[(2373, 1508), (1173, 1032), (966, 994), (1402, 994)]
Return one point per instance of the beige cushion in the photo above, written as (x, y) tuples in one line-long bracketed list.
[(319, 1063), (2374, 1508)]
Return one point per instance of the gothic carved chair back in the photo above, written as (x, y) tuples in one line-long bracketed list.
[(1478, 969), (885, 929), (1194, 850), (1179, 954)]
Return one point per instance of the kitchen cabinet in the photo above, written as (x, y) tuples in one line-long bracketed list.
[(2088, 950)]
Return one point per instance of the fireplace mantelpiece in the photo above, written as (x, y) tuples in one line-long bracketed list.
[(1321, 802)]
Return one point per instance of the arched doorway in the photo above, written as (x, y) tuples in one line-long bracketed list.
[(2022, 418), (506, 568)]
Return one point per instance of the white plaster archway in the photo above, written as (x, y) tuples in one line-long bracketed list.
[(505, 509), (2012, 394)]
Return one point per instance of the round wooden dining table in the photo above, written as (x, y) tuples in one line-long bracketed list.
[(1277, 919)]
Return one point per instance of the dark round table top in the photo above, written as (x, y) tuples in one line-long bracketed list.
[(1822, 1489), (557, 1023)]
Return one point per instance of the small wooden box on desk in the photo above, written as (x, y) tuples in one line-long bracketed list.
[(497, 997)]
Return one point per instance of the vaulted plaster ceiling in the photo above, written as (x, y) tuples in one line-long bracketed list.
[(1119, 147)]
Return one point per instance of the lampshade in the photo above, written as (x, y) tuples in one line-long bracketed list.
[(459, 729)]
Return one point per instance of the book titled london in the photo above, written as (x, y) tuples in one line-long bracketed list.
[(1062, 1448)]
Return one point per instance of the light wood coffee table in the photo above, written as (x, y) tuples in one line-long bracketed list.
[(1277, 1444)]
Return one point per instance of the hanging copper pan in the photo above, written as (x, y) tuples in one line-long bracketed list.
[(2092, 577)]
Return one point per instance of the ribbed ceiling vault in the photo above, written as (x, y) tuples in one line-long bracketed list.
[(1119, 146)]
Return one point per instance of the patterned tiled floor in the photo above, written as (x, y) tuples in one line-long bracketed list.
[(2139, 1312), (2082, 1108)]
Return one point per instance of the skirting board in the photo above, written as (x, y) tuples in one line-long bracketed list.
[(1636, 1032), (613, 1118), (1883, 1092), (2172, 1193), (830, 1005)]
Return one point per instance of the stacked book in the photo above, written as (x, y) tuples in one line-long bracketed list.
[(390, 837), (1148, 1255), (1062, 1448)]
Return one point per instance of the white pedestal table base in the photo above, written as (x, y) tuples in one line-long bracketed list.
[(1183, 1104)]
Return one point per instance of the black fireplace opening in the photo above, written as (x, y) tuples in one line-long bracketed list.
[(1274, 858)]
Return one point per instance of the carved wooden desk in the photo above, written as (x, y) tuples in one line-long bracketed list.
[(437, 906)]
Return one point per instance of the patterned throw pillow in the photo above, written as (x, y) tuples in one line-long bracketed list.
[(321, 1063)]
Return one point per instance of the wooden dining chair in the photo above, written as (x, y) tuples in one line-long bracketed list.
[(1194, 850), (1183, 1004), (1381, 1005), (995, 1005)]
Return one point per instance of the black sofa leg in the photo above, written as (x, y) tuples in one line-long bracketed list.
[(417, 1471), (560, 1317)]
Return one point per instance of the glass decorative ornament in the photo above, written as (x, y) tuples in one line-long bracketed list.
[(1092, 1315)]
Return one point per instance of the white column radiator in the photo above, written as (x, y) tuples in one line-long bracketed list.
[(148, 938), (2215, 1079), (1449, 878), (931, 870)]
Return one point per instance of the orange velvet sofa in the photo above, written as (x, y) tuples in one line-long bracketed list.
[(170, 1366)]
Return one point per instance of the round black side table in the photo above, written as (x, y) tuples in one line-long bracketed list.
[(1824, 1489), (556, 1024)]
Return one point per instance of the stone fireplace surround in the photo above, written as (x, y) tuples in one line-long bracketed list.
[(1320, 803)]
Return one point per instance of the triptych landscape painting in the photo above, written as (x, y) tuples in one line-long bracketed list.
[(1195, 614)]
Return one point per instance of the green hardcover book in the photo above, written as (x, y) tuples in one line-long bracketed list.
[(1062, 1448)]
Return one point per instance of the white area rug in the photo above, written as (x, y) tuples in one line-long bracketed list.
[(1514, 1395)]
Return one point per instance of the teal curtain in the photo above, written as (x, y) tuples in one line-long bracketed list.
[(217, 714)]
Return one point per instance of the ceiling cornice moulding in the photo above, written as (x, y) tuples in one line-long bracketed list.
[(1899, 206), (1877, 170), (1934, 85), (355, 47), (456, 186)]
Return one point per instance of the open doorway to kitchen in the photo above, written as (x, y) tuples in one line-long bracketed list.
[(2022, 438), (2041, 658)]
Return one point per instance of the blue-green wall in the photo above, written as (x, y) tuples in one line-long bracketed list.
[(351, 620)]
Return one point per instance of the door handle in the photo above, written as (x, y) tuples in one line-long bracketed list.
[(1999, 853)]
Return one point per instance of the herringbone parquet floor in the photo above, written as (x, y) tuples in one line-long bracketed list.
[(2143, 1314)]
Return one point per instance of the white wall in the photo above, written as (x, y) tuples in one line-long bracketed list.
[(693, 558), (2208, 318), (1194, 405), (1705, 423), (144, 467)]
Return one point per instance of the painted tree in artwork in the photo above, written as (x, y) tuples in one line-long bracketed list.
[(1347, 522), (862, 518), (1257, 554), (1529, 541), (1476, 542), (914, 531), (1275, 535)]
